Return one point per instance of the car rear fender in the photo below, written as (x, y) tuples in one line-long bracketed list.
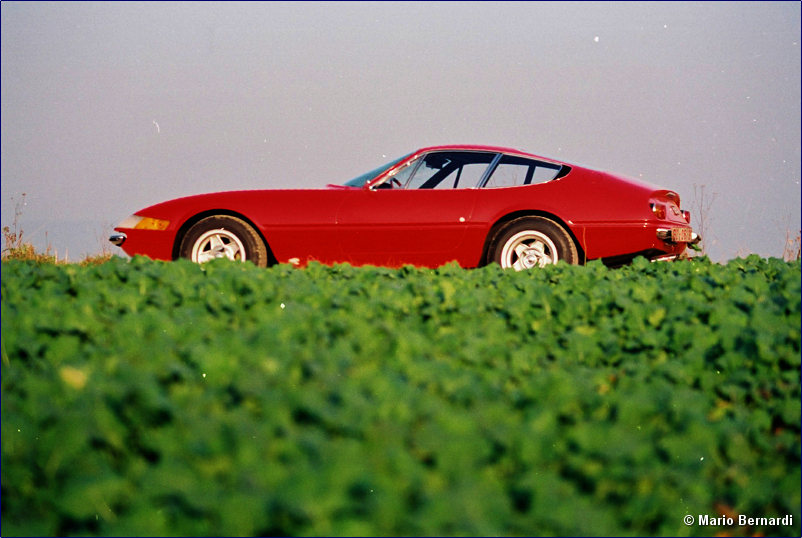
[(494, 229)]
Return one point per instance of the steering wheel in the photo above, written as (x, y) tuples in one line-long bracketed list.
[(395, 183)]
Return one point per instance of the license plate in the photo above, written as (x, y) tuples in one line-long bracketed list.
[(681, 235)]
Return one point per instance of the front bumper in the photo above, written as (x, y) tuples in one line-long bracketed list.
[(118, 238)]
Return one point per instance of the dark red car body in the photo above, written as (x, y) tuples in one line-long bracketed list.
[(367, 222)]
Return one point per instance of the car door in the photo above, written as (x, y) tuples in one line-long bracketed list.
[(418, 217)]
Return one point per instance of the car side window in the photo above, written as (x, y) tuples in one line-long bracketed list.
[(400, 178), (513, 171), (450, 170)]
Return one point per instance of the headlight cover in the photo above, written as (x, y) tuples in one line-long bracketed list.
[(137, 222)]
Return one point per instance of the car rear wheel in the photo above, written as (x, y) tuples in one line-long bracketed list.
[(532, 243), (223, 236)]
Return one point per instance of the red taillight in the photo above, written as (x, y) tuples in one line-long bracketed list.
[(659, 210), (687, 215)]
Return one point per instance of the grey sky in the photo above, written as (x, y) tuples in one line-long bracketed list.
[(110, 107)]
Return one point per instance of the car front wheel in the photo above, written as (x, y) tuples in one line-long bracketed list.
[(223, 236), (531, 243)]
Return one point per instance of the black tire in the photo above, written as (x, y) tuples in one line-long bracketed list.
[(223, 236), (532, 242)]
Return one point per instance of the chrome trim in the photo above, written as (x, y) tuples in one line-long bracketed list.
[(667, 258), (118, 238)]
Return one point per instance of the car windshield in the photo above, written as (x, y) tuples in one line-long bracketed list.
[(367, 176)]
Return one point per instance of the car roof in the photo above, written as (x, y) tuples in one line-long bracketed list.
[(495, 149)]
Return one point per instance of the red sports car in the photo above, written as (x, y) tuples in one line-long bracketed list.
[(471, 204)]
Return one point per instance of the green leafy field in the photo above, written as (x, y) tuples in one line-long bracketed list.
[(147, 398)]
